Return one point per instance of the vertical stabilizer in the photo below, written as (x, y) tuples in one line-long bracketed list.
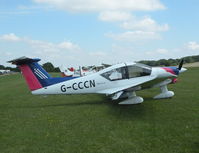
[(36, 77)]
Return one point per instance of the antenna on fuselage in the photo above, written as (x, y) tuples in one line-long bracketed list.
[(80, 70)]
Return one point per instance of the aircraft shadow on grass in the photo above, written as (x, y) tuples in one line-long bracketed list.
[(118, 111), (129, 112), (103, 100)]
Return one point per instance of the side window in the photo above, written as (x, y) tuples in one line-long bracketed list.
[(134, 71), (138, 71), (116, 74)]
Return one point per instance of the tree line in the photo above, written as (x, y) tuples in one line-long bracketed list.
[(49, 67), (170, 62)]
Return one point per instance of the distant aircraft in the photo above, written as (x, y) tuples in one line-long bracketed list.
[(71, 72), (67, 72), (4, 71), (118, 81)]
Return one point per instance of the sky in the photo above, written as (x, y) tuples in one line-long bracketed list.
[(91, 32)]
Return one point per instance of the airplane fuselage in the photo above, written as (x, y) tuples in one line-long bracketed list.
[(117, 81), (95, 83)]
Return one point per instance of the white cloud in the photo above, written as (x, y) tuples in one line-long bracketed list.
[(118, 11), (162, 51), (10, 37), (132, 36), (55, 52), (112, 16), (42, 45), (70, 54), (139, 30), (158, 52), (192, 45), (68, 45), (67, 53), (188, 49), (49, 47), (48, 51), (145, 24), (17, 12), (8, 53), (34, 7), (104, 5)]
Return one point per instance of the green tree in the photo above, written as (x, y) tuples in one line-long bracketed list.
[(56, 69), (195, 58), (48, 67), (2, 67)]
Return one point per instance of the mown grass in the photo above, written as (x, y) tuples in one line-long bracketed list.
[(94, 124)]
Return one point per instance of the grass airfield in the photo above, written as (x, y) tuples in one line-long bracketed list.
[(94, 124)]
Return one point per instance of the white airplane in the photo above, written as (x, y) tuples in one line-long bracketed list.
[(117, 81), (4, 71), (68, 72), (71, 72)]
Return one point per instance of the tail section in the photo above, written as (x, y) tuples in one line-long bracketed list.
[(30, 78), (67, 72), (36, 77)]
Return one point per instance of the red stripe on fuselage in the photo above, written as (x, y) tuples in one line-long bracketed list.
[(169, 70), (30, 78)]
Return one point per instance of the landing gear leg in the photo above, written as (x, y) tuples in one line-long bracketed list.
[(164, 93), (132, 99)]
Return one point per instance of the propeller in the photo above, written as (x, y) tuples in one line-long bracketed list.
[(180, 64), (179, 70)]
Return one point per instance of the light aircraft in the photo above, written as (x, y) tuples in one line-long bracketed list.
[(118, 81), (68, 72), (71, 72), (4, 71)]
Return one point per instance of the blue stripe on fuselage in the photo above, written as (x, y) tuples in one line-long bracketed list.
[(175, 69), (44, 78)]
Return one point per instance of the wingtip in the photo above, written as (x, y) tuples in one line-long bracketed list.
[(23, 60), (17, 59)]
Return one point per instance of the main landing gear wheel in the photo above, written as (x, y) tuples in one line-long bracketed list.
[(132, 99)]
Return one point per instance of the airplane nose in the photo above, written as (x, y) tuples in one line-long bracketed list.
[(182, 70)]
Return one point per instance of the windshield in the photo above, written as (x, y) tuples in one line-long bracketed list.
[(138, 70), (116, 74), (126, 72)]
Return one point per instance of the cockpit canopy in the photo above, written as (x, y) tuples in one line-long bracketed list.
[(127, 71)]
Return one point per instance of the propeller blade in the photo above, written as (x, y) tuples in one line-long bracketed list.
[(180, 65)]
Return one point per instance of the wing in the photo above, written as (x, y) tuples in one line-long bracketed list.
[(135, 82)]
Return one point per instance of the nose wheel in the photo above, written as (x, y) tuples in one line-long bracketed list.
[(164, 93)]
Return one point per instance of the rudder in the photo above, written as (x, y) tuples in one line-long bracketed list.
[(36, 77)]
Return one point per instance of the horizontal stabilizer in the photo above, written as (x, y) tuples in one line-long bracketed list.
[(35, 76), (23, 60)]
